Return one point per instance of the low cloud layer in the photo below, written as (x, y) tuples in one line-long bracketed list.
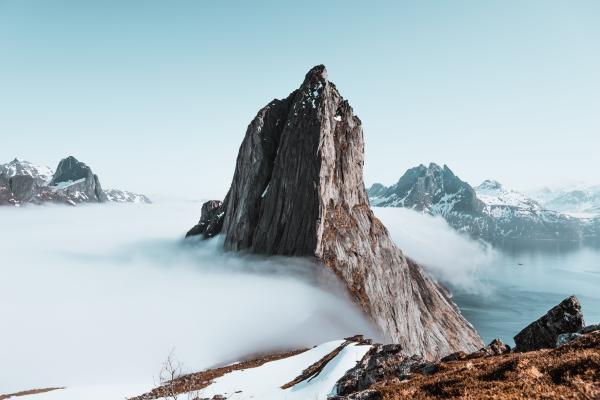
[(448, 255), (102, 294)]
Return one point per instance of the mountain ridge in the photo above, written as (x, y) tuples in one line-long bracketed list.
[(22, 182), (488, 211)]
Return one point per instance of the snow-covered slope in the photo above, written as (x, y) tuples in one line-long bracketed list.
[(265, 382), (583, 201), (123, 196)]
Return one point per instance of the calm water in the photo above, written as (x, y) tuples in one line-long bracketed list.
[(523, 281)]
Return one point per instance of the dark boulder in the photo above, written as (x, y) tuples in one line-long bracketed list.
[(382, 362), (211, 220), (566, 317), (368, 394), (495, 348)]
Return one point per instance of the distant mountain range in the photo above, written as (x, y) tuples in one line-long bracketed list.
[(22, 182), (580, 200), (488, 211)]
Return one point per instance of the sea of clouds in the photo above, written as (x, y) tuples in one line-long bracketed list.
[(102, 294)]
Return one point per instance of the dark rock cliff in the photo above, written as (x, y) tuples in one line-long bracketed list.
[(298, 190)]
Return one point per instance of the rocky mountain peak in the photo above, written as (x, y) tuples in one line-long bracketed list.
[(489, 184), (76, 177), (298, 190), (71, 169)]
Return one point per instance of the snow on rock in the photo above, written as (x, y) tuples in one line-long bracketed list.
[(265, 382), (18, 166), (123, 196), (492, 193), (488, 211)]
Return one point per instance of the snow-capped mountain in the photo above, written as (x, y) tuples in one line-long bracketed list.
[(22, 182), (123, 196), (41, 174), (488, 211), (435, 190), (580, 202)]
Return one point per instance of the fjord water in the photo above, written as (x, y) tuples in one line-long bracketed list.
[(101, 294), (525, 280), (500, 289)]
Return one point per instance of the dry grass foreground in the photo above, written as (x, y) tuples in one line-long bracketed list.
[(571, 371), (28, 392), (199, 380)]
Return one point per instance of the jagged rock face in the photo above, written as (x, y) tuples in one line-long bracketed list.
[(298, 190), (565, 317), (77, 180), (382, 362), (23, 187), (436, 190), (427, 188)]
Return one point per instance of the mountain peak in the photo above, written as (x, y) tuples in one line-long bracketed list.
[(490, 184), (301, 193), (317, 72)]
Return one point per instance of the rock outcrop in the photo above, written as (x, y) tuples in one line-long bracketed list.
[(298, 190), (382, 362), (211, 220), (565, 317), (77, 180)]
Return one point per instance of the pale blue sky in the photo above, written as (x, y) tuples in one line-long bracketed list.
[(156, 95)]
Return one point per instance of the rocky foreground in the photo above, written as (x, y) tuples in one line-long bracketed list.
[(556, 357)]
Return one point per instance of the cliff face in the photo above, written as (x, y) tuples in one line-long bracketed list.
[(78, 180), (298, 190)]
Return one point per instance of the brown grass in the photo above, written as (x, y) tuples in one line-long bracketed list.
[(28, 392), (199, 380), (569, 372)]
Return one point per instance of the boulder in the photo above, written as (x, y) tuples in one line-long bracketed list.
[(382, 362), (368, 394), (565, 317), (495, 348)]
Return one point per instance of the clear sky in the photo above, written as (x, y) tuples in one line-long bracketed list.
[(156, 95)]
